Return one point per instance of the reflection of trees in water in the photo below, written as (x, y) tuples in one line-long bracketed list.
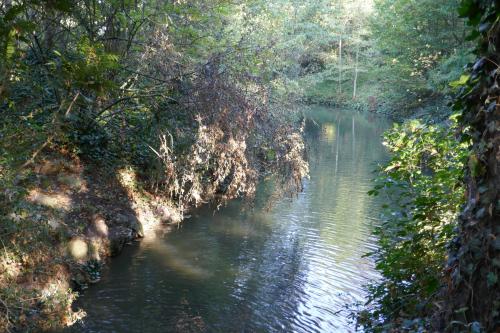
[(261, 272), (270, 285), (257, 271), (366, 130), (341, 196), (271, 267)]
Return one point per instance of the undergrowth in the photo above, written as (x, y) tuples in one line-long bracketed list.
[(423, 191)]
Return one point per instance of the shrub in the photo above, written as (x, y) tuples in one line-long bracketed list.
[(423, 190)]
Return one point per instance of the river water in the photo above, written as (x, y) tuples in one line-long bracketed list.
[(293, 268)]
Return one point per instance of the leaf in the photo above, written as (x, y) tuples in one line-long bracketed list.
[(479, 64), (462, 310), (460, 82), (496, 262), (10, 49), (474, 19), (473, 35), (484, 27), (392, 167), (474, 165), (62, 5), (491, 107), (270, 154), (464, 8), (13, 12), (475, 327), (491, 279)]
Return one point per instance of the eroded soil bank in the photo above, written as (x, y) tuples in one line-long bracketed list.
[(69, 217), (291, 267)]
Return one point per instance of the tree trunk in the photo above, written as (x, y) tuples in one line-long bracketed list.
[(355, 84), (340, 66)]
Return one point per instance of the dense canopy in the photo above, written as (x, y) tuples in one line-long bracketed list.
[(165, 105)]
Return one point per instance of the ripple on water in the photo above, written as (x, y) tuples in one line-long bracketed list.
[(293, 269)]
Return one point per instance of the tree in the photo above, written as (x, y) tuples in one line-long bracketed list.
[(177, 91), (420, 48), (472, 297)]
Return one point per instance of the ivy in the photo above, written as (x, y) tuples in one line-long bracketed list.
[(472, 269)]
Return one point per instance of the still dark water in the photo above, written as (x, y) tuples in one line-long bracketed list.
[(291, 269)]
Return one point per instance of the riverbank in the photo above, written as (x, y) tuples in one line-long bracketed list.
[(293, 267), (65, 214), (68, 217), (433, 111)]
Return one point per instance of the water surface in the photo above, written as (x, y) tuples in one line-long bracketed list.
[(291, 269)]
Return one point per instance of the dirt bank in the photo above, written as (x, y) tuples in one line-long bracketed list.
[(64, 220)]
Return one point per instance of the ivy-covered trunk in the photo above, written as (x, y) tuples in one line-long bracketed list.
[(472, 297)]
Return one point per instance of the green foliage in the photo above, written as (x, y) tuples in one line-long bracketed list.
[(391, 56), (447, 71), (473, 257), (421, 49), (344, 52), (87, 67), (422, 183), (113, 83)]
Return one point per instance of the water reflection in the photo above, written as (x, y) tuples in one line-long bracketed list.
[(288, 270)]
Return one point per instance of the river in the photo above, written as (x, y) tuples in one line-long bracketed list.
[(293, 268)]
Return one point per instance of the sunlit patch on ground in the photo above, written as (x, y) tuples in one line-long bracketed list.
[(78, 249), (10, 268), (53, 200)]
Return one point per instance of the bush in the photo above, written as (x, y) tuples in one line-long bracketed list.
[(423, 187)]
